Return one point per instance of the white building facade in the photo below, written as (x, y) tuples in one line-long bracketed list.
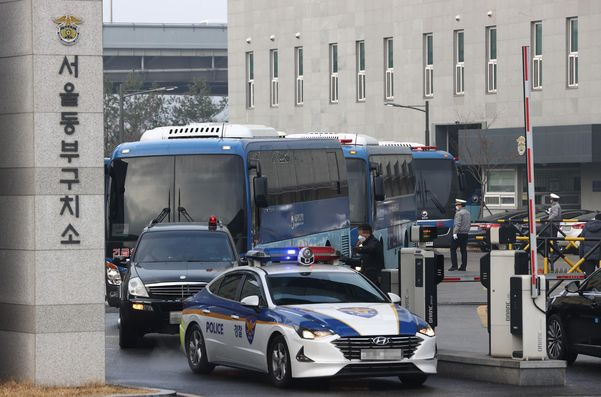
[(333, 65)]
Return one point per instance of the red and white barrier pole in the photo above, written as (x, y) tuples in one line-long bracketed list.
[(530, 171)]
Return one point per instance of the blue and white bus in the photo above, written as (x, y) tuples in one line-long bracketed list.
[(268, 191), (390, 212), (437, 185)]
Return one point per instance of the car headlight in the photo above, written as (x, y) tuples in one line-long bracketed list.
[(113, 277), (306, 333), (427, 330), (136, 287)]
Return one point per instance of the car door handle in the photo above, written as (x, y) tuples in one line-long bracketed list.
[(235, 316), (206, 311)]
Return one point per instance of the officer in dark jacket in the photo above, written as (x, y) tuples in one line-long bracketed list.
[(372, 254), (593, 230)]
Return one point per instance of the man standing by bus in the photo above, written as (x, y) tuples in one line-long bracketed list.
[(372, 254), (461, 228)]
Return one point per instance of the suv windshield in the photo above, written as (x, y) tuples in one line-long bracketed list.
[(321, 287), (184, 246)]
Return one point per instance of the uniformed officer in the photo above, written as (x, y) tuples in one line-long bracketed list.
[(461, 228), (555, 210), (372, 254)]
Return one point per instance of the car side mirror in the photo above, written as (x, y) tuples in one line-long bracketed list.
[(251, 301), (379, 188), (260, 189), (394, 298), (243, 261), (573, 287)]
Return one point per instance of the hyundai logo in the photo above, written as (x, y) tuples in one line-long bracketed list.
[(380, 341)]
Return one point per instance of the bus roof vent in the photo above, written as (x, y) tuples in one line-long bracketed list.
[(210, 130), (418, 147), (343, 138)]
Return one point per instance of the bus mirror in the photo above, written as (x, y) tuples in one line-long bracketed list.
[(379, 188), (260, 189)]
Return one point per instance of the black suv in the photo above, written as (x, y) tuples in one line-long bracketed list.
[(171, 262), (574, 320)]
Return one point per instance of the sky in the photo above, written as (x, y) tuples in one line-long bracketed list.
[(166, 11)]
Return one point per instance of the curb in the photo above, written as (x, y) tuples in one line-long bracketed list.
[(153, 392)]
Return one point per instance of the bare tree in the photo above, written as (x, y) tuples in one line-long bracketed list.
[(481, 153)]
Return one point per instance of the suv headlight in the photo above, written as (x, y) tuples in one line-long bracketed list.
[(136, 287), (113, 277), (306, 333), (427, 330)]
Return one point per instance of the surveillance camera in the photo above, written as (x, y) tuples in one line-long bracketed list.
[(457, 17), (248, 40), (489, 13), (272, 37), (297, 35)]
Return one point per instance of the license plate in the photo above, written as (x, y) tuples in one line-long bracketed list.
[(382, 354), (175, 317)]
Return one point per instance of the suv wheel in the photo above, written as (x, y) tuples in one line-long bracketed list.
[(197, 352), (557, 341), (278, 362)]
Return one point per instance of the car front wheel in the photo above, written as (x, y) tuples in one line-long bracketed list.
[(278, 362), (197, 352), (413, 380), (557, 341), (129, 335)]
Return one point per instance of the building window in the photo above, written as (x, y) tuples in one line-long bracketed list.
[(334, 73), (491, 55), (299, 72), (389, 69), (274, 72), (572, 52), (501, 188), (250, 80), (360, 51), (459, 65), (428, 65), (537, 55)]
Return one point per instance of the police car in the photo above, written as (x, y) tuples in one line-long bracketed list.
[(304, 319)]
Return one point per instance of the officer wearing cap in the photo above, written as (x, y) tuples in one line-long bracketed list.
[(461, 228), (555, 210)]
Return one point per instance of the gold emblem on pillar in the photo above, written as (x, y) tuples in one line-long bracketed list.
[(67, 28)]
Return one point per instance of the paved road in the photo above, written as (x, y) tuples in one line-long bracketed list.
[(160, 363)]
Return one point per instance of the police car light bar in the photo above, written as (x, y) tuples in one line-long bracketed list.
[(290, 255)]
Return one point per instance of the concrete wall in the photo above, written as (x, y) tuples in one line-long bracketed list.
[(51, 294), (590, 200), (321, 22)]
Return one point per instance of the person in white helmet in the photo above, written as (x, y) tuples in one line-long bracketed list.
[(461, 228)]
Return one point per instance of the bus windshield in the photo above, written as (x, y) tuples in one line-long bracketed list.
[(357, 190), (204, 185), (436, 186)]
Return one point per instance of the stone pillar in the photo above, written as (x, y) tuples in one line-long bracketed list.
[(51, 192)]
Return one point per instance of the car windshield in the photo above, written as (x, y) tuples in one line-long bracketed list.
[(184, 246), (322, 287)]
